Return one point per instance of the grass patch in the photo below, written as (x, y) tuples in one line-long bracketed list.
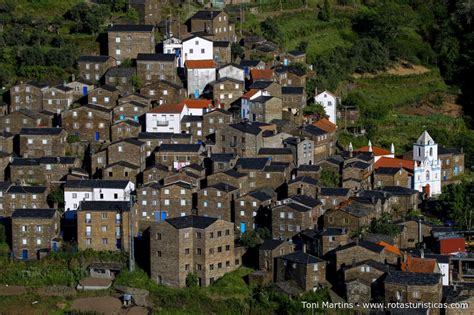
[(46, 9)]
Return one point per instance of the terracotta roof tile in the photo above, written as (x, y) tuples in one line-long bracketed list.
[(200, 64), (197, 103), (389, 247), (325, 125), (415, 264), (394, 163), (258, 74), (168, 108), (250, 93), (375, 150)]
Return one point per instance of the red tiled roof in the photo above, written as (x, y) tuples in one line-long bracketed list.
[(375, 150), (389, 247), (258, 74), (250, 93), (200, 64), (197, 103), (325, 125), (394, 163), (168, 108), (415, 264)]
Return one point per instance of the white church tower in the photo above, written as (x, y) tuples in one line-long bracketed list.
[(427, 169)]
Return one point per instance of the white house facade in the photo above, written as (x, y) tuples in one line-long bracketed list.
[(427, 170), (166, 118), (173, 45), (328, 101), (199, 73), (231, 71), (197, 48)]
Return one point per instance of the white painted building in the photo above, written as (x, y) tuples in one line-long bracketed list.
[(231, 71), (173, 45), (328, 101), (427, 170), (199, 73), (198, 107), (197, 48), (166, 118), (76, 191)]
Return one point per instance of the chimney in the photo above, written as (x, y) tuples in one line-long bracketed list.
[(370, 146), (419, 231), (422, 252), (392, 149), (351, 149), (73, 77)]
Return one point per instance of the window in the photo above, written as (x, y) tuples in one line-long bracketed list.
[(290, 215), (24, 241), (198, 251), (39, 228), (242, 213), (158, 253), (105, 241), (167, 191), (158, 236), (24, 228), (104, 228), (242, 203), (219, 205), (117, 39), (186, 235), (104, 215), (183, 202), (186, 251), (219, 233), (282, 215), (211, 235), (167, 202), (44, 141), (205, 204)]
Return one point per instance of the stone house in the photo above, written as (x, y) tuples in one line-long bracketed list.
[(155, 173), (4, 186), (149, 11), (293, 215), (413, 287), (303, 186), (151, 67), (290, 76), (123, 129), (403, 199), (230, 177), (192, 244), (24, 118), (274, 176), (232, 71), (179, 155), (413, 232), (6, 142), (452, 163), (191, 124), (35, 232), (199, 73), (251, 210), (128, 150), (164, 92), (307, 271), (42, 170), (122, 79), (27, 95), (296, 56), (355, 252), (39, 142), (176, 199), (265, 109), (269, 251), (80, 88), (121, 170), (105, 225), (131, 110), (217, 201), (269, 87), (247, 65), (225, 91), (386, 176), (222, 52), (243, 139), (364, 281), (213, 24), (105, 95), (321, 242), (294, 100), (324, 142), (89, 122), (214, 120), (57, 99), (357, 175), (277, 154), (220, 162), (127, 41), (350, 216), (26, 197), (154, 139), (332, 197), (135, 97), (93, 68), (309, 170)]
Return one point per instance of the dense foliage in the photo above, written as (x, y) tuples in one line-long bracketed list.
[(457, 203)]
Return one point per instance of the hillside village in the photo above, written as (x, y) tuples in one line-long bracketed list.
[(195, 162)]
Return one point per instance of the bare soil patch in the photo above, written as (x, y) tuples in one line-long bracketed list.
[(12, 290), (104, 304)]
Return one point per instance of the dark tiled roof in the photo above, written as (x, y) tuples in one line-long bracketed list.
[(300, 257), (387, 171), (314, 130), (294, 70), (41, 131), (156, 57), (413, 278), (358, 210), (330, 191), (260, 195), (298, 207), (128, 121), (367, 245), (333, 231), (123, 164), (95, 183), (163, 135), (443, 150), (30, 113), (34, 213), (26, 189), (43, 160), (234, 173), (104, 205), (176, 147), (270, 244), (357, 164), (372, 263), (5, 185), (205, 15), (224, 187), (304, 179), (194, 221), (294, 90), (252, 163), (275, 151), (262, 99), (398, 190), (247, 127), (249, 63), (260, 85), (131, 28), (309, 168), (191, 118), (95, 59), (222, 157), (97, 108), (296, 53), (108, 88), (306, 200)]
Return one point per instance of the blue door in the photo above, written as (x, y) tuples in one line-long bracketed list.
[(97, 136), (164, 215), (24, 254), (55, 246), (118, 244), (456, 171), (135, 118), (84, 90), (242, 227), (196, 93), (122, 117)]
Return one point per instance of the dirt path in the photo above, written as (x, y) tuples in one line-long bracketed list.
[(12, 290), (105, 305)]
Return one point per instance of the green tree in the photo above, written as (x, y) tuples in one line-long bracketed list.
[(3, 233), (457, 203), (330, 178), (325, 12), (56, 198), (191, 280), (237, 51), (384, 225)]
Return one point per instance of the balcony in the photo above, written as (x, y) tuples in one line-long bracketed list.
[(161, 123)]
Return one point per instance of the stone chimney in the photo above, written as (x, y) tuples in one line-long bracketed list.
[(370, 146)]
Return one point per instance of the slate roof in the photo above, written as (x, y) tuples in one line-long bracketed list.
[(156, 57), (30, 113), (123, 164), (94, 183), (205, 14), (191, 118), (358, 210), (300, 257), (108, 88), (252, 163), (387, 171), (163, 135), (34, 213), (413, 278), (296, 53), (291, 69), (5, 185), (104, 205), (442, 150), (131, 28), (223, 187), (249, 63), (314, 130), (260, 85), (330, 191), (234, 173), (26, 189), (177, 147), (222, 157), (275, 151), (306, 200), (298, 207), (309, 168), (333, 231), (41, 131), (304, 179), (95, 59), (129, 122), (372, 263), (260, 195), (96, 107), (367, 245), (357, 164), (293, 90), (399, 190), (270, 244), (194, 221), (247, 127), (43, 160)]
